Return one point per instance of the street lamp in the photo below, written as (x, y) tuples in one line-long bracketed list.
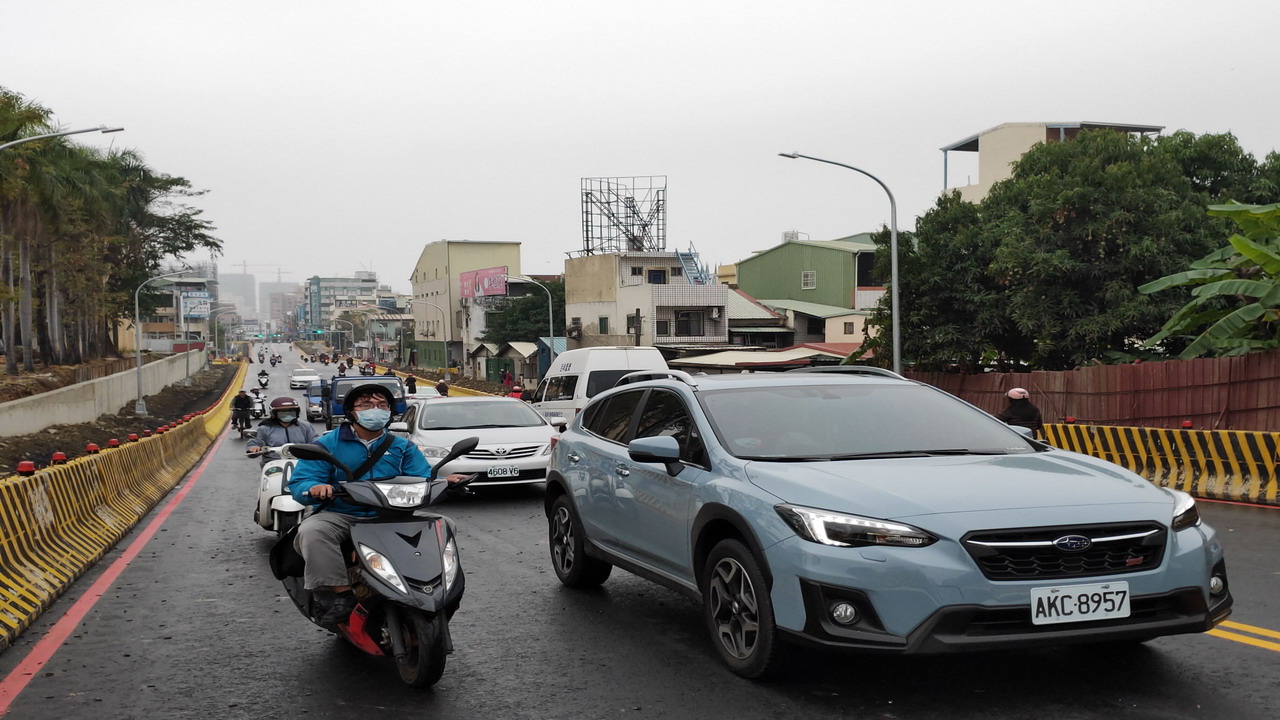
[(213, 322), (551, 315), (893, 254), (100, 128), (140, 407), (353, 332)]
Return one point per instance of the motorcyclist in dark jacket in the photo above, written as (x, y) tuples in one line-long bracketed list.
[(280, 429)]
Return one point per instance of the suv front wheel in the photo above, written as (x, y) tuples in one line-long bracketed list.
[(739, 611), (568, 555)]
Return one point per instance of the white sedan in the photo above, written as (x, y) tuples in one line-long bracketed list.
[(301, 378), (515, 441)]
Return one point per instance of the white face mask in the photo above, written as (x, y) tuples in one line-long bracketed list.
[(287, 417)]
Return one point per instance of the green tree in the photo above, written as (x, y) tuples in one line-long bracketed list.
[(524, 318), (1235, 306), (1044, 272)]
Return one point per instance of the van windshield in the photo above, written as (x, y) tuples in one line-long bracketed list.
[(601, 380)]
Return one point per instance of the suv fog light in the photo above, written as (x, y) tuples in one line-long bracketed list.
[(1217, 584), (844, 613)]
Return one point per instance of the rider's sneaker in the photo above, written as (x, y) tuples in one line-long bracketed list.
[(337, 608)]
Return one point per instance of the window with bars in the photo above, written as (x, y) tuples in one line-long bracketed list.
[(808, 279), (603, 325)]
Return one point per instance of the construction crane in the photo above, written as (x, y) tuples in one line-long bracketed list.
[(245, 265)]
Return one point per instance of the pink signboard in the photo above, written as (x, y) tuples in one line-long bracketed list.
[(483, 283)]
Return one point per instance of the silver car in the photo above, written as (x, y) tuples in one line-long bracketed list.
[(515, 441), (302, 377)]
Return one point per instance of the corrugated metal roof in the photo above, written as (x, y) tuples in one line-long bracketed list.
[(562, 344), (760, 330), (814, 309), (741, 306), (736, 358), (524, 348), (853, 243), (490, 347)]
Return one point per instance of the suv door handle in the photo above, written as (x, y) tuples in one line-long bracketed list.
[(622, 470), (574, 457)]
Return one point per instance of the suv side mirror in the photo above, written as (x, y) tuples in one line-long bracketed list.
[(661, 449)]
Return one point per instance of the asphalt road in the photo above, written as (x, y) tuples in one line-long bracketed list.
[(196, 626)]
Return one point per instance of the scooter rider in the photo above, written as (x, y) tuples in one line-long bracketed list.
[(320, 536), (241, 404), (281, 428)]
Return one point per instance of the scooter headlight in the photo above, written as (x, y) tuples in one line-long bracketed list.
[(397, 495), (381, 567), (450, 564)]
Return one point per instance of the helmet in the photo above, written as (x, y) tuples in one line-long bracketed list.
[(281, 404), (362, 390), (1018, 394)]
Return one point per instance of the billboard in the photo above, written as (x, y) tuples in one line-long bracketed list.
[(195, 304), (483, 283)]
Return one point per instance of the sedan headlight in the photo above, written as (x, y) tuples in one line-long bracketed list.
[(381, 567), (1185, 513), (450, 559), (432, 452), (840, 530), (399, 495)]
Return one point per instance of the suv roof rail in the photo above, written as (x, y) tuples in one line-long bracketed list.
[(851, 370), (642, 375)]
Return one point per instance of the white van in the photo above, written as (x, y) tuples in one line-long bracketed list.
[(576, 376)]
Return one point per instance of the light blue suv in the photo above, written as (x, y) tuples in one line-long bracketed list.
[(869, 512)]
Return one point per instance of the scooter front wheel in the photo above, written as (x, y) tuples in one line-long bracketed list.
[(425, 656)]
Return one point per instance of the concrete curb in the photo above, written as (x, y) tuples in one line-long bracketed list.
[(1236, 465), (55, 524)]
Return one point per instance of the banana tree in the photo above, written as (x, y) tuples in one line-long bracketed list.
[(1235, 306)]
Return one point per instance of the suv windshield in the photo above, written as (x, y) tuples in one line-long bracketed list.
[(824, 422)]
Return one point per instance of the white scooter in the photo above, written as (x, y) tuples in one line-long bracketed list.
[(259, 410), (276, 510)]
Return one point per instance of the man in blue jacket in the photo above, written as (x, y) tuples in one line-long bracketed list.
[(320, 536)]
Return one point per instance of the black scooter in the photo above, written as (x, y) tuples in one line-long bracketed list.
[(404, 565)]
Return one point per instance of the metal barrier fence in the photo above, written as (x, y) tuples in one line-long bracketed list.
[(1234, 465), (57, 523)]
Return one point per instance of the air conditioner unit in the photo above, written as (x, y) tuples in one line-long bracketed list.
[(573, 332)]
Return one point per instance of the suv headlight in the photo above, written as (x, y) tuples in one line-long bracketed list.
[(841, 530), (1185, 513)]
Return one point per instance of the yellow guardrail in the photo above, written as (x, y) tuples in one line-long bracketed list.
[(1237, 465), (57, 523)]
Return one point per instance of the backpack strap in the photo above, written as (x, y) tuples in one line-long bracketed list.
[(378, 452)]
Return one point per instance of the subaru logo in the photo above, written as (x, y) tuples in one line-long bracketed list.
[(1073, 543), (503, 451)]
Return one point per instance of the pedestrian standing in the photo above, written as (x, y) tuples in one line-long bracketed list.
[(411, 384), (442, 388)]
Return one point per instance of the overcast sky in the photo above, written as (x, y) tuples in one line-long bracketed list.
[(338, 136)]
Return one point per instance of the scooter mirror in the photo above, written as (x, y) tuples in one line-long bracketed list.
[(460, 448)]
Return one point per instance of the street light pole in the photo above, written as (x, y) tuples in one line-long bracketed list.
[(19, 141), (444, 320), (353, 333), (140, 407), (893, 252), (551, 316)]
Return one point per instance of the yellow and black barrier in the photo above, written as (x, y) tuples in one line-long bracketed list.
[(57, 523), (1237, 465)]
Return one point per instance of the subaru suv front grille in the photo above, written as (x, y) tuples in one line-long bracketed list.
[(1067, 551)]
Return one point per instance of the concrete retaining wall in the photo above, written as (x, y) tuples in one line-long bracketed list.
[(57, 523), (84, 402), (1234, 465)]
